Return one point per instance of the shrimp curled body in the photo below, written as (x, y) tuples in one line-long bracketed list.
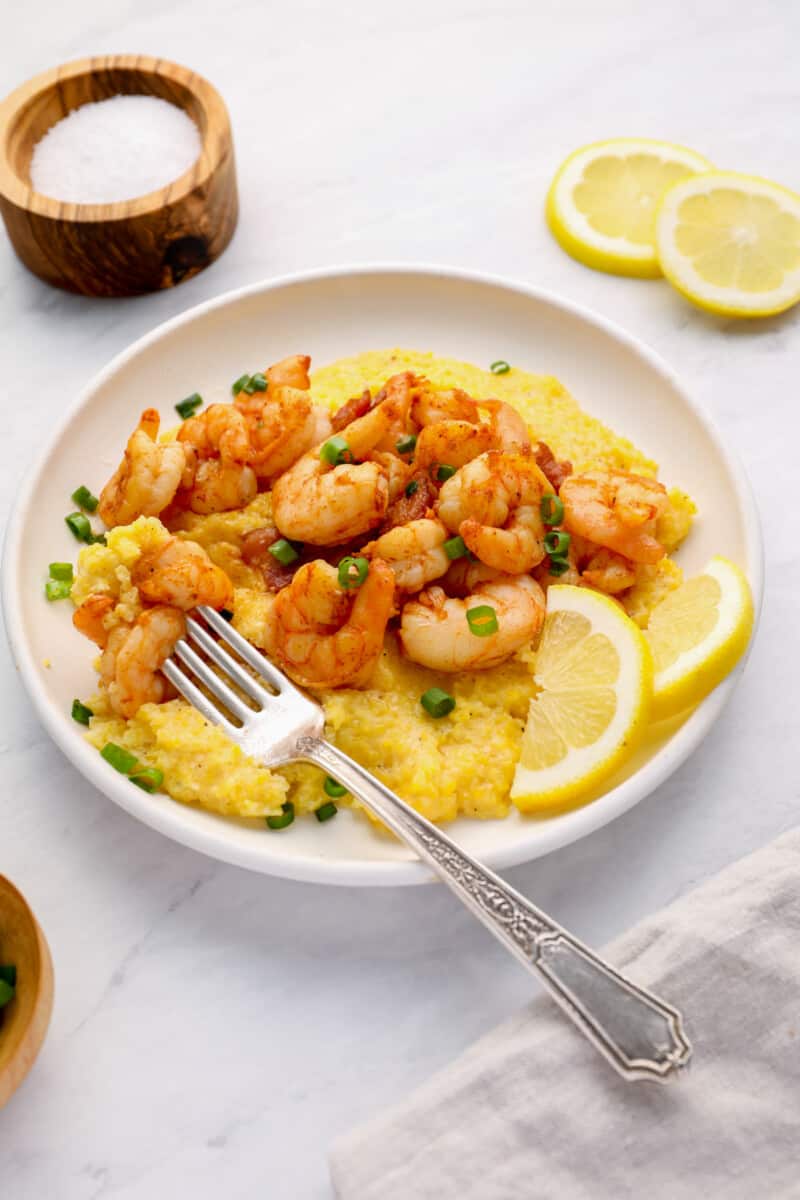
[(494, 504), (131, 663), (181, 574), (320, 636), (145, 482), (435, 632), (617, 510), (415, 552)]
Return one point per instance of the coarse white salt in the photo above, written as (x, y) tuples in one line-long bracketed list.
[(114, 149)]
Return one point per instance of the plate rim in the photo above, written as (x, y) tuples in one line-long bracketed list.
[(355, 872)]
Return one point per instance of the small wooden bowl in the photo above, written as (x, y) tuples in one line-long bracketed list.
[(134, 246), (26, 1017)]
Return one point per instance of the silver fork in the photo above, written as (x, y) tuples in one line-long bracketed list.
[(640, 1035)]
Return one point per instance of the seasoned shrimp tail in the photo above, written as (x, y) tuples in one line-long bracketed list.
[(147, 479), (132, 661)]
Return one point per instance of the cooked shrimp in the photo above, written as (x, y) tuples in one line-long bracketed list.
[(181, 574), (493, 503), (464, 575), (430, 405), (435, 633), (133, 658), (508, 428), (145, 482), (301, 629), (452, 442), (221, 430), (290, 372), (415, 552), (218, 486), (322, 504), (284, 427), (617, 510), (89, 618), (397, 471)]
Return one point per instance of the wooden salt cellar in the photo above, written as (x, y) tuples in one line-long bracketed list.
[(132, 246), (26, 1017)]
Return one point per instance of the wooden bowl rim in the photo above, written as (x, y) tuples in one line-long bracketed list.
[(28, 1038), (18, 192)]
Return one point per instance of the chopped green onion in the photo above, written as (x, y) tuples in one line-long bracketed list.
[(406, 443), (352, 572), (552, 509), (558, 566), (412, 487), (226, 613), (81, 713), (284, 552), (335, 451), (286, 817), (239, 383), (149, 780), (98, 539), (455, 547), (79, 524), (84, 499), (189, 406), (258, 382), (120, 759), (61, 571), (326, 811), (8, 973), (332, 787), (482, 620), (57, 589), (7, 993), (556, 543), (437, 702), (444, 471), (501, 367)]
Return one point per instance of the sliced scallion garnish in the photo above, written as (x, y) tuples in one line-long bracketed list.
[(61, 570), (482, 620), (189, 406), (84, 499), (57, 589), (335, 451), (552, 509), (406, 443), (81, 712), (558, 566), (326, 811), (149, 779), (455, 547), (437, 702), (286, 817), (332, 787), (352, 572), (556, 543), (119, 758), (283, 551), (78, 523), (501, 367), (444, 471)]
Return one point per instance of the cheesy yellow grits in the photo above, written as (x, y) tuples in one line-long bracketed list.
[(460, 764)]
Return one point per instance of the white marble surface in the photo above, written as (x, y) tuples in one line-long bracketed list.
[(214, 1030)]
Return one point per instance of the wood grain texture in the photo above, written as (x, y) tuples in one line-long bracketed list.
[(24, 1020), (135, 246)]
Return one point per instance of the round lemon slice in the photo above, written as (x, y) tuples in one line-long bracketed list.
[(602, 203), (697, 634), (594, 677), (731, 243)]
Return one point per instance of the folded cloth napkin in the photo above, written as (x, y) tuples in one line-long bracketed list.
[(531, 1112)]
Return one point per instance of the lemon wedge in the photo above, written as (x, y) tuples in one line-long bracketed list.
[(594, 676), (602, 203), (697, 634)]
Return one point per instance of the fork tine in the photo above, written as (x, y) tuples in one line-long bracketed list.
[(227, 663), (192, 693), (212, 681), (243, 648)]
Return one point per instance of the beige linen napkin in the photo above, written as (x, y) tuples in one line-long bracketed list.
[(531, 1112)]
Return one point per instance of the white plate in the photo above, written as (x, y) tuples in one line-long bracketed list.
[(329, 314)]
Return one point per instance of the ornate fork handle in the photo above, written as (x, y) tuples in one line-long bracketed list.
[(639, 1034)]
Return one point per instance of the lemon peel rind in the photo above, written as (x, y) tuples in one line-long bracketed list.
[(691, 687), (676, 267), (582, 789), (616, 256)]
